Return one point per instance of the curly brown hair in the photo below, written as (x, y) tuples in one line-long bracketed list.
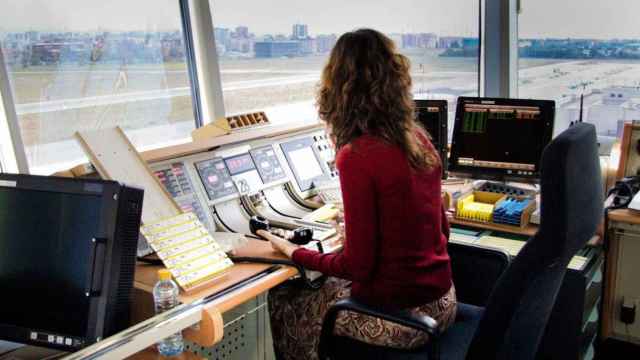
[(366, 89)]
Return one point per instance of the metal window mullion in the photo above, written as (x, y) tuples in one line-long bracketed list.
[(12, 152), (206, 61), (501, 48), (192, 69)]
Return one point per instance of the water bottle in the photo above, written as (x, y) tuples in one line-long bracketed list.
[(165, 297)]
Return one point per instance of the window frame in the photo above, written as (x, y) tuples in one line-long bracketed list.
[(12, 152), (203, 65), (501, 44), (482, 54)]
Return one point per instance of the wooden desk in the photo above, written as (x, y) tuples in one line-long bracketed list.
[(625, 215), (146, 277)]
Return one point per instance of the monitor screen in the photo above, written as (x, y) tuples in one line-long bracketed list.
[(45, 244), (501, 138), (304, 163), (239, 164), (432, 115)]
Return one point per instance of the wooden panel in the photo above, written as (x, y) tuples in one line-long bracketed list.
[(625, 215), (115, 158), (146, 277), (528, 230), (198, 146)]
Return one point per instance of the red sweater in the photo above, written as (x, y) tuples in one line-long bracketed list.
[(395, 251)]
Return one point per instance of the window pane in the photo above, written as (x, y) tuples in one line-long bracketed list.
[(272, 56), (597, 54), (85, 64)]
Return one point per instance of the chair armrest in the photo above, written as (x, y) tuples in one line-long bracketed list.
[(404, 318)]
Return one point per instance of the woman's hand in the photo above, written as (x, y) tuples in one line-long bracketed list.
[(279, 244)]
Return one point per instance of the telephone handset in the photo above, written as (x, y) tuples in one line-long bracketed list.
[(300, 236), (625, 194)]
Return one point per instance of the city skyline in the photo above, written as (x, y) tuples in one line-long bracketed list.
[(614, 19)]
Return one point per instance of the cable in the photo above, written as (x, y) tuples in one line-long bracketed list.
[(313, 285)]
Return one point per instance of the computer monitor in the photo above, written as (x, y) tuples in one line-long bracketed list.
[(67, 259), (500, 139), (432, 115), (304, 160)]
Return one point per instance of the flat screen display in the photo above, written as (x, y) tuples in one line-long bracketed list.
[(432, 115), (501, 137), (45, 245), (239, 164), (304, 162)]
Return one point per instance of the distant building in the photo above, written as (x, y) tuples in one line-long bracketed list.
[(470, 43), (307, 46), (222, 35), (299, 32), (324, 43), (276, 49), (446, 42), (421, 40), (241, 45), (242, 32)]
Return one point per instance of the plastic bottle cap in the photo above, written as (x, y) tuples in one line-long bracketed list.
[(164, 274)]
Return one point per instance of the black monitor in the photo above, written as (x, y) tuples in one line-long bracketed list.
[(67, 259), (433, 116), (500, 139)]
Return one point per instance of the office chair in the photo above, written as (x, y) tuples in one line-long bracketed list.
[(516, 314)]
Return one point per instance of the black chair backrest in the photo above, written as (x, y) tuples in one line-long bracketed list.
[(473, 286), (572, 207)]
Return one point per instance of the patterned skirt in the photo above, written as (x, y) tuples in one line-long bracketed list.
[(297, 314)]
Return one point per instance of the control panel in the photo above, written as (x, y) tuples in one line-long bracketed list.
[(326, 152), (244, 173), (225, 187), (216, 178), (268, 164), (306, 161), (176, 181)]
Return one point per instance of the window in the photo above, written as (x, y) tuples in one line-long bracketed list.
[(85, 64), (595, 54), (271, 57)]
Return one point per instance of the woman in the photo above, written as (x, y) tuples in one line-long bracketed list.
[(395, 247)]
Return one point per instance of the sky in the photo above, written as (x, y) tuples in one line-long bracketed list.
[(540, 18)]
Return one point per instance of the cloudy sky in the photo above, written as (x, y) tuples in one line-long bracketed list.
[(540, 18)]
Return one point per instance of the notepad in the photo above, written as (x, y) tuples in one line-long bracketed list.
[(187, 249), (323, 214)]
